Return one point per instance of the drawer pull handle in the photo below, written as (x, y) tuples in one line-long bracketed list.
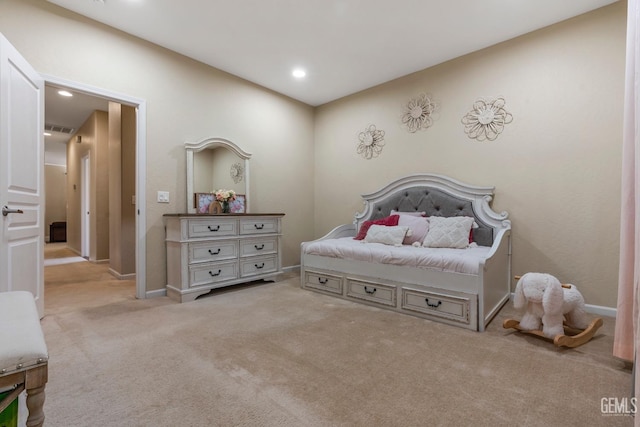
[(258, 227), (433, 305), (259, 248), (215, 274), (322, 281), (214, 253), (259, 266), (370, 291), (213, 229)]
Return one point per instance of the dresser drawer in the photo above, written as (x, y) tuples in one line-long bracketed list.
[(211, 227), (374, 292), (207, 274), (323, 282), (215, 250), (251, 247), (258, 265), (259, 226), (452, 307)]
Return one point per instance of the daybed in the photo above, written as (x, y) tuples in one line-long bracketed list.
[(463, 287)]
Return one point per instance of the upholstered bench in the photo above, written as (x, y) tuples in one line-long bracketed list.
[(23, 353)]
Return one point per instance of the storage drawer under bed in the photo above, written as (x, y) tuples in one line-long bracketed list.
[(457, 308), (323, 282), (373, 292)]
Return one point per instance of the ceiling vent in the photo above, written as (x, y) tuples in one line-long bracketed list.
[(59, 129)]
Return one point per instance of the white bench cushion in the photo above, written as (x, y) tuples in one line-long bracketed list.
[(21, 340)]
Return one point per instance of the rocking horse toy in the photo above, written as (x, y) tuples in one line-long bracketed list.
[(557, 307)]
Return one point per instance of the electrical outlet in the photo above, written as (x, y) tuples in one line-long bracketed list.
[(133, 199), (163, 197)]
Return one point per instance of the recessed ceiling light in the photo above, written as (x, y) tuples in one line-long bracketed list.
[(47, 134), (299, 73), (64, 93)]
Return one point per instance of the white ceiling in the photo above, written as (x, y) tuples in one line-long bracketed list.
[(345, 46)]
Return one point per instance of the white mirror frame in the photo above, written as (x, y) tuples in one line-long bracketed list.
[(210, 143)]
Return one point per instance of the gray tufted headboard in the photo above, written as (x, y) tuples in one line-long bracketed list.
[(436, 195)]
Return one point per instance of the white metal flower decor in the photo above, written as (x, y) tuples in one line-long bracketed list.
[(486, 120), (418, 113), (237, 172), (371, 142)]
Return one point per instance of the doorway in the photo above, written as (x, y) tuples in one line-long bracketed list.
[(140, 170)]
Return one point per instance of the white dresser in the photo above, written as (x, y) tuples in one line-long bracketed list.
[(211, 251)]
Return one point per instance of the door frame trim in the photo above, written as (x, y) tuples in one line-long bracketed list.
[(141, 165)]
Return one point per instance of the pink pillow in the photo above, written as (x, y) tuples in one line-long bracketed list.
[(391, 220), (418, 225)]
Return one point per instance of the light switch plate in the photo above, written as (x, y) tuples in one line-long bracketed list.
[(163, 197)]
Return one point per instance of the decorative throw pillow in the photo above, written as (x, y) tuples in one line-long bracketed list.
[(388, 235), (364, 227), (409, 213), (475, 225), (418, 225), (451, 232)]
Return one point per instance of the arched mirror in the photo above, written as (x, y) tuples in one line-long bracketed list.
[(213, 164)]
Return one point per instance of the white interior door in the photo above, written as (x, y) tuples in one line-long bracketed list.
[(21, 175)]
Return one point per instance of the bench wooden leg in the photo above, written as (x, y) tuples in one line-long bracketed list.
[(35, 405), (35, 381)]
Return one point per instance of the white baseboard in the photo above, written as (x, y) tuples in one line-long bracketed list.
[(291, 269), (156, 293), (601, 311), (130, 276), (595, 309)]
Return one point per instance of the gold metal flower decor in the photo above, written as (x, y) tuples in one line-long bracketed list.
[(486, 120), (418, 113), (371, 142)]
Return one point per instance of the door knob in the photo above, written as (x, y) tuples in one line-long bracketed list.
[(6, 211)]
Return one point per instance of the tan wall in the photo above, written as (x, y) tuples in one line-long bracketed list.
[(94, 137), (555, 167), (122, 172), (55, 178), (186, 101)]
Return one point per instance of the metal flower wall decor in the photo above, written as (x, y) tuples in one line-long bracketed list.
[(371, 142), (418, 112), (237, 172), (486, 120)]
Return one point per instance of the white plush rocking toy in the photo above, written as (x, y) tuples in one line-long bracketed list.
[(559, 309)]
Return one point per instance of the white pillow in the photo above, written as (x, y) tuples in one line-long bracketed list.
[(388, 235), (418, 225), (451, 232)]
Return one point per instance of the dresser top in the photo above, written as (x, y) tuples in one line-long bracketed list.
[(199, 215)]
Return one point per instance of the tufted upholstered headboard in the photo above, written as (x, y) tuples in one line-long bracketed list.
[(436, 195), (435, 203)]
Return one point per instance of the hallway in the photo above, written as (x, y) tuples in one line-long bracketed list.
[(72, 283)]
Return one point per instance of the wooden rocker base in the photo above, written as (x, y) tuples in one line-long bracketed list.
[(571, 338)]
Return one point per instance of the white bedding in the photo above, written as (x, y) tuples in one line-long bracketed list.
[(464, 261)]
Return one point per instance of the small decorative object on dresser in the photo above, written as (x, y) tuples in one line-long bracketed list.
[(202, 202), (224, 197), (239, 204), (205, 252), (215, 208)]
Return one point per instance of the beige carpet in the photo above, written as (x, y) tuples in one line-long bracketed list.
[(271, 354)]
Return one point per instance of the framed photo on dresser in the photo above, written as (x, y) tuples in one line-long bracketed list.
[(239, 204), (201, 202)]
